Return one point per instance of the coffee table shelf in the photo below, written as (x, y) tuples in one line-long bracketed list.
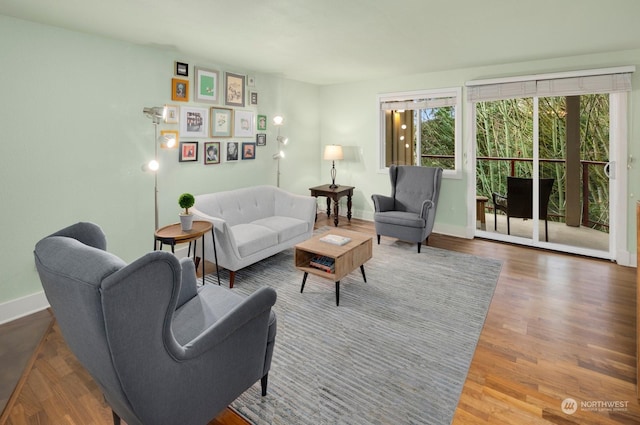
[(346, 257)]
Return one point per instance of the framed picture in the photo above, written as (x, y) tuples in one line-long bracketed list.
[(182, 69), (262, 123), (253, 97), (194, 121), (231, 151), (248, 150), (188, 152), (179, 90), (261, 139), (206, 88), (234, 89), (171, 116), (251, 81), (221, 122), (211, 153), (171, 134), (243, 124)]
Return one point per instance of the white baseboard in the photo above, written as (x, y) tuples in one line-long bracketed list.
[(20, 307)]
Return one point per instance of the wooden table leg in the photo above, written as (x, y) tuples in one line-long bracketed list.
[(328, 206), (335, 212), (349, 207)]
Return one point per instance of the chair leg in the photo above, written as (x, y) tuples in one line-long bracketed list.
[(495, 219), (232, 278), (116, 418), (419, 245), (378, 239), (508, 226), (546, 230), (263, 384)]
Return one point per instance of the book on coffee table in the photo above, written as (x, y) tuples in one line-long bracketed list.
[(335, 239)]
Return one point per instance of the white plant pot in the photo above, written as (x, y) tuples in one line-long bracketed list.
[(186, 220)]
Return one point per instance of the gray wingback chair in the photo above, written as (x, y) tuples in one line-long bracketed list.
[(162, 350), (408, 214)]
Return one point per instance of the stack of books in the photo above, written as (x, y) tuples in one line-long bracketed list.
[(323, 263)]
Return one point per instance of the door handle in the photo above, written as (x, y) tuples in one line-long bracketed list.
[(610, 170)]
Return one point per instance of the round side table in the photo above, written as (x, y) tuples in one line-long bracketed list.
[(173, 235)]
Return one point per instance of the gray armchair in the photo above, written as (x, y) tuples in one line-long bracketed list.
[(162, 350), (408, 214)]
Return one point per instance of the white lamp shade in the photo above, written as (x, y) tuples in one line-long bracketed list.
[(332, 152)]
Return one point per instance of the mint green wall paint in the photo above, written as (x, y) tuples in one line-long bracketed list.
[(349, 114), (74, 139)]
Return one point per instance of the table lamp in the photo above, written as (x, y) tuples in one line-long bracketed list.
[(331, 153)]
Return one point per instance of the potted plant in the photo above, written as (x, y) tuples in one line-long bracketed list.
[(186, 201)]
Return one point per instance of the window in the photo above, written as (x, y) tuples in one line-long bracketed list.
[(421, 128)]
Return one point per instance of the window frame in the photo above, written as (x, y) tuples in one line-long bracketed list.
[(450, 92)]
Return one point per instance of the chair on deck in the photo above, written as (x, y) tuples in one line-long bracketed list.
[(518, 202)]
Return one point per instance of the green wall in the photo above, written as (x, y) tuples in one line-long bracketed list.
[(74, 139)]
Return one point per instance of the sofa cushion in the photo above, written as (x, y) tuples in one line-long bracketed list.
[(251, 238), (285, 227)]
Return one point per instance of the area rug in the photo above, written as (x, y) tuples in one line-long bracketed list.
[(396, 350)]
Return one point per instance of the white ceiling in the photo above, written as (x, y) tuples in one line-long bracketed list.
[(335, 41)]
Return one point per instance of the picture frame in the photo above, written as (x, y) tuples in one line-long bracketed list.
[(234, 89), (188, 152), (261, 123), (206, 85), (182, 69), (175, 135), (221, 122), (231, 151), (243, 123), (194, 121), (261, 139), (253, 97), (211, 153), (172, 114), (179, 90), (248, 150)]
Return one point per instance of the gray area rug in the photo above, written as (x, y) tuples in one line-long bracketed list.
[(396, 350)]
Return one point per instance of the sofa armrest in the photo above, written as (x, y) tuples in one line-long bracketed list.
[(382, 203), (223, 232), (302, 207)]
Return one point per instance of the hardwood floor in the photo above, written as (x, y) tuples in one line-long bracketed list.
[(559, 327)]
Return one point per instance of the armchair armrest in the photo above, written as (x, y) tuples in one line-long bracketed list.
[(382, 203), (426, 206), (499, 201), (253, 306)]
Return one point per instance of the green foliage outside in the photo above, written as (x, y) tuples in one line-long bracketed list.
[(505, 130)]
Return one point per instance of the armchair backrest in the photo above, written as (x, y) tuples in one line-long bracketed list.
[(91, 293), (412, 185), (520, 197)]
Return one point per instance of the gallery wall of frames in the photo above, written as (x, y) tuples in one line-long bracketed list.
[(225, 131)]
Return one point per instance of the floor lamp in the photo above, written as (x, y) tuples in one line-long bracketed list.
[(156, 114), (282, 141)]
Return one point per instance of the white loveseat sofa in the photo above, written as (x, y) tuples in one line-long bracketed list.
[(253, 223)]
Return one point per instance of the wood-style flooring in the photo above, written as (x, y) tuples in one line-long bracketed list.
[(559, 327)]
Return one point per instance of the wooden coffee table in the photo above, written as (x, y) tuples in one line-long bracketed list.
[(346, 258)]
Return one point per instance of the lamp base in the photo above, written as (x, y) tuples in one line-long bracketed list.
[(334, 186)]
